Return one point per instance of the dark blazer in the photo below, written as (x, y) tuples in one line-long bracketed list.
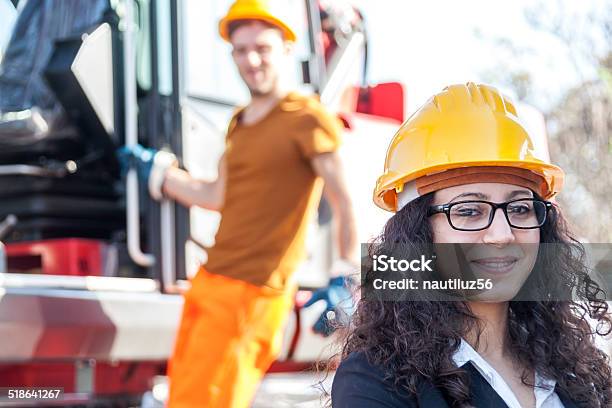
[(359, 384)]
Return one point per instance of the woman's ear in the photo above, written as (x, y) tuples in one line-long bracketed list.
[(288, 47)]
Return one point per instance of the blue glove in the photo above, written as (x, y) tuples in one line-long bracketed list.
[(136, 156), (338, 299), (150, 164)]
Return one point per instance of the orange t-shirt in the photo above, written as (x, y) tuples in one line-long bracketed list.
[(271, 191)]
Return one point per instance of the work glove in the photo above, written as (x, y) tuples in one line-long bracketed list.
[(151, 166), (339, 304)]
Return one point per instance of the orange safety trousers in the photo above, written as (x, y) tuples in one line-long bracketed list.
[(230, 333)]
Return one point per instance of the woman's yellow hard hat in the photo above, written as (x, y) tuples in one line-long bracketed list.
[(263, 10), (465, 129)]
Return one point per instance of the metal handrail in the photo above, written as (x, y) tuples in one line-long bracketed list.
[(342, 63), (5, 227), (29, 170), (3, 264), (88, 283), (318, 74), (131, 139), (168, 240)]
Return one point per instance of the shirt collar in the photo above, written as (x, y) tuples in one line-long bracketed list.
[(291, 102), (466, 354)]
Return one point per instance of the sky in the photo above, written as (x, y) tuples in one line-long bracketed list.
[(429, 44)]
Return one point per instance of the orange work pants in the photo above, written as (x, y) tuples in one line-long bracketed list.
[(230, 333)]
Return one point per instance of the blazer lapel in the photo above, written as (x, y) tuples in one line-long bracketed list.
[(483, 395), (565, 399), (429, 396)]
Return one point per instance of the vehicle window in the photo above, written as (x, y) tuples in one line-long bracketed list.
[(163, 46), (143, 44)]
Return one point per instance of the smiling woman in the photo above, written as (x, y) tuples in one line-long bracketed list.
[(462, 171)]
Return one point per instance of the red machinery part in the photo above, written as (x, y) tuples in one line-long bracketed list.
[(70, 256), (385, 100), (109, 378)]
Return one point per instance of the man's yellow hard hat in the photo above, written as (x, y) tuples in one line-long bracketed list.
[(263, 10), (471, 127)]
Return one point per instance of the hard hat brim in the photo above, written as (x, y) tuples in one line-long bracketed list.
[(385, 193)]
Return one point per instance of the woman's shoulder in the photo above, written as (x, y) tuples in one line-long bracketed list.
[(358, 361), (359, 384)]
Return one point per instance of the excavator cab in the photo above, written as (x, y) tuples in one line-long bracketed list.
[(57, 134), (91, 269)]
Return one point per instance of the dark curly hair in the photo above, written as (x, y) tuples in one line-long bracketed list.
[(415, 341)]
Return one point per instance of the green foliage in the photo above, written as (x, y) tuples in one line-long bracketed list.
[(579, 122)]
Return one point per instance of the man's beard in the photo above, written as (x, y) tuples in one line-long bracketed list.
[(256, 93), (262, 90)]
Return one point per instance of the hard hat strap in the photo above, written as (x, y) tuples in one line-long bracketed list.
[(408, 194)]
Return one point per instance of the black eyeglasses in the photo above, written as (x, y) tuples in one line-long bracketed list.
[(477, 215)]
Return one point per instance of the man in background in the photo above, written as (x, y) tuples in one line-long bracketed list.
[(279, 148)]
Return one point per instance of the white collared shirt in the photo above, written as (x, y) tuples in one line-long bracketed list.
[(545, 397)]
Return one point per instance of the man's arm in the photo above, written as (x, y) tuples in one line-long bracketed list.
[(338, 295), (329, 167), (189, 191)]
